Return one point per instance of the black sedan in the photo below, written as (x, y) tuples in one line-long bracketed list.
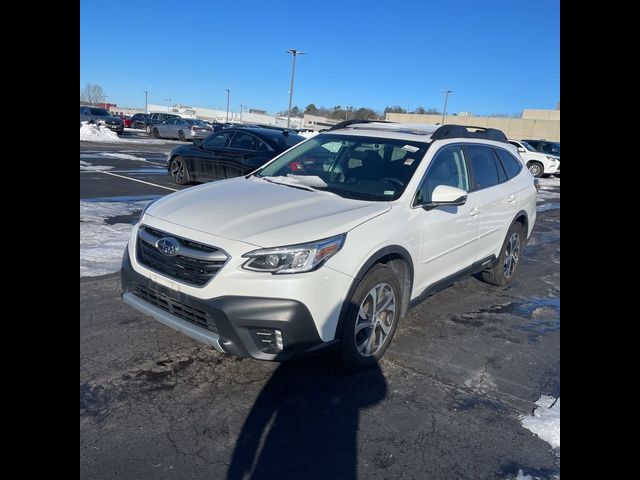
[(228, 153)]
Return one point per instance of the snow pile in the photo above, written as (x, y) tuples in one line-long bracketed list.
[(308, 134), (95, 133), (123, 156), (102, 245), (545, 421)]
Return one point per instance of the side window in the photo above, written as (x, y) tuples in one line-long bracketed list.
[(510, 164), (262, 147), (502, 175), (447, 168), (217, 139), (243, 141), (483, 165), (171, 121)]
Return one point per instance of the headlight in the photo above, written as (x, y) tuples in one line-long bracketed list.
[(294, 258), (145, 209), (553, 159)]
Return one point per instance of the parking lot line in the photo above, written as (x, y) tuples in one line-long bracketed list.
[(136, 180)]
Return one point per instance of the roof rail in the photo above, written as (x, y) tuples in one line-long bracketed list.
[(346, 123), (462, 131)]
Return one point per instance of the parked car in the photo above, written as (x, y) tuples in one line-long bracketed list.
[(539, 164), (545, 146), (102, 117), (138, 120), (227, 153), (293, 259), (156, 118), (182, 129)]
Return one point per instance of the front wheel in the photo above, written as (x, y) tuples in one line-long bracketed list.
[(181, 136), (371, 319), (148, 129), (179, 172), (510, 257), (536, 169), (156, 134)]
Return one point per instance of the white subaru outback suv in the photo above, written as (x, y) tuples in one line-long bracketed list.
[(538, 163), (331, 242)]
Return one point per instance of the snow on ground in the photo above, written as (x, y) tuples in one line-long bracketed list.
[(95, 133), (549, 190), (308, 134), (101, 244), (545, 421), (93, 168)]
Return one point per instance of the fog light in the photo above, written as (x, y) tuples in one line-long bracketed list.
[(279, 343), (268, 340)]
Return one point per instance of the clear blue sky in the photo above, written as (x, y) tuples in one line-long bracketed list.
[(498, 56)]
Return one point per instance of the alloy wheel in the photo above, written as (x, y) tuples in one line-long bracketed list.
[(511, 255), (375, 319)]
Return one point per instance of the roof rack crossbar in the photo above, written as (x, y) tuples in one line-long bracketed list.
[(462, 131)]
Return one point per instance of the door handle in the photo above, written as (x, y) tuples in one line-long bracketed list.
[(511, 198), (474, 212)]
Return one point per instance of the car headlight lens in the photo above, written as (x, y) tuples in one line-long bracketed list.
[(294, 258), (552, 159)]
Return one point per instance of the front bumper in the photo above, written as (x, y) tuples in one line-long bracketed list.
[(231, 324)]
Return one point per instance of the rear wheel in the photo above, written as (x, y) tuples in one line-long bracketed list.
[(536, 169), (179, 172), (510, 257), (371, 319), (155, 133), (181, 136), (148, 129)]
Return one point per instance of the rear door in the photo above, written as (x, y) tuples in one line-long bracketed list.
[(209, 159), (246, 152), (497, 198)]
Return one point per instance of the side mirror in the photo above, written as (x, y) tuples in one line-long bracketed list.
[(446, 196), (197, 142), (521, 150)]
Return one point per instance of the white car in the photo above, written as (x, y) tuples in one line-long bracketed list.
[(538, 163), (331, 242)]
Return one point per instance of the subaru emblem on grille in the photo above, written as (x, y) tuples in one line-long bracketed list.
[(168, 246)]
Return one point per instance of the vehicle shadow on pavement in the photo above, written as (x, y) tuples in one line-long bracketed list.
[(304, 423)]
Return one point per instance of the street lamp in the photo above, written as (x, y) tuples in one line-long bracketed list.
[(146, 93), (167, 100), (293, 53), (446, 97), (228, 92), (241, 108)]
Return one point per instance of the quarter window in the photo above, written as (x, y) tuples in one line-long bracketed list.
[(483, 166), (243, 141), (447, 168)]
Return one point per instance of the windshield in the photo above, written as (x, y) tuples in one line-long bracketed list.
[(364, 168), (528, 147)]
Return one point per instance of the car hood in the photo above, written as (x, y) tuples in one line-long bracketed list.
[(264, 214)]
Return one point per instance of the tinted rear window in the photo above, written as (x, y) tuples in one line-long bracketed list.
[(284, 141), (99, 112), (483, 165)]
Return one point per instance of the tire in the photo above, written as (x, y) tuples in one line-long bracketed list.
[(155, 133), (148, 129), (179, 171), (536, 169), (502, 273), (362, 346), (181, 136)]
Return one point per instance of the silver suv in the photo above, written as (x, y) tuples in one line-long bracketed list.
[(102, 117)]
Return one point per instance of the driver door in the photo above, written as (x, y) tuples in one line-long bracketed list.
[(448, 234)]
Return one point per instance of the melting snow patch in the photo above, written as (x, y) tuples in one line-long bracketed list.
[(547, 206), (102, 245), (123, 156), (93, 168), (545, 421), (94, 133)]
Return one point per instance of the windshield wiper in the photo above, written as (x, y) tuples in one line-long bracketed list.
[(299, 185)]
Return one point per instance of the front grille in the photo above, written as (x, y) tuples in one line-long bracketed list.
[(179, 309), (194, 263)]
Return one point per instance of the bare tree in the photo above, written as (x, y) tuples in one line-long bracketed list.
[(92, 94)]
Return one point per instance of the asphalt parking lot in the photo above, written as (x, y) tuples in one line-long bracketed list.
[(445, 402)]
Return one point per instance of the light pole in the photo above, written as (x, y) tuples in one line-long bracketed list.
[(146, 93), (241, 107), (167, 100), (293, 53), (446, 97), (228, 92)]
